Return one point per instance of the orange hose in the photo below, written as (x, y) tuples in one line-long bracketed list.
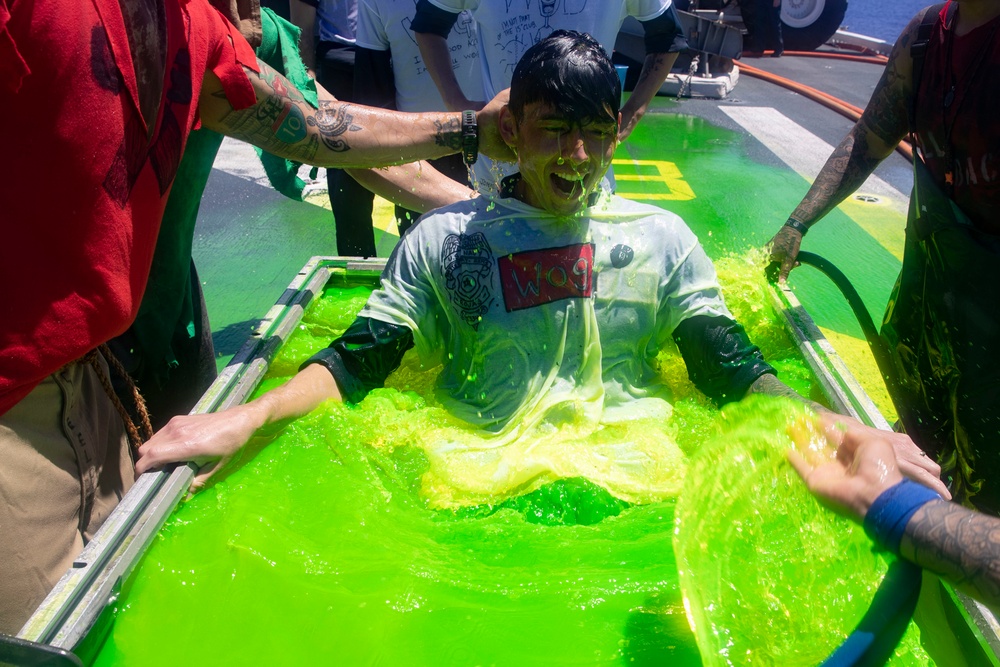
[(876, 59), (843, 108)]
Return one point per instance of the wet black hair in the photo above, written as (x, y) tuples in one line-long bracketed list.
[(571, 72)]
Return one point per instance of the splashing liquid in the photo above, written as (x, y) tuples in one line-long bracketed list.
[(320, 548), (794, 577)]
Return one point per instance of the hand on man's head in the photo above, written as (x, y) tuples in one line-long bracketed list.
[(491, 144)]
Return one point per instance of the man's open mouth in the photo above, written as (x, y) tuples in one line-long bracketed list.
[(568, 184)]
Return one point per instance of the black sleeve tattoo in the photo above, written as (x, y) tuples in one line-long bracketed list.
[(883, 124), (333, 121), (960, 545)]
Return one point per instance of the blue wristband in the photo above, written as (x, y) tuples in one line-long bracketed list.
[(887, 517)]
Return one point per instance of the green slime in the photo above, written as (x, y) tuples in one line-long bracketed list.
[(320, 548)]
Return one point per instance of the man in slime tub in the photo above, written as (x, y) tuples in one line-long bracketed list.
[(548, 304)]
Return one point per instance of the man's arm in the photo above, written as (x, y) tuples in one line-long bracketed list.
[(211, 440), (881, 127), (355, 363), (958, 544), (655, 69), (431, 26), (417, 186), (339, 134), (664, 39)]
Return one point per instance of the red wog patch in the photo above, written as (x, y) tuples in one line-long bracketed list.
[(537, 277)]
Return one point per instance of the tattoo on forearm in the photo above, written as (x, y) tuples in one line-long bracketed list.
[(448, 134), (280, 84), (960, 545), (651, 65), (844, 172), (333, 120), (885, 122), (279, 123)]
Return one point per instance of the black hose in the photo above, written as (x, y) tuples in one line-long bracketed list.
[(875, 638), (878, 347), (883, 357)]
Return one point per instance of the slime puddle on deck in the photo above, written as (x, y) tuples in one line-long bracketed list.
[(323, 549)]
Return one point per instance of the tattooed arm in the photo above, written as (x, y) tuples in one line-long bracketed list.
[(881, 127), (417, 186), (338, 134), (958, 544)]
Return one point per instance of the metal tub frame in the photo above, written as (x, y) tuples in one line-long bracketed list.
[(79, 611)]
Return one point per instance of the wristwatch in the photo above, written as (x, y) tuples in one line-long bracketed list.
[(470, 137)]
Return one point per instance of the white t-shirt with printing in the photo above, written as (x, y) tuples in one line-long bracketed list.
[(533, 316), (384, 25)]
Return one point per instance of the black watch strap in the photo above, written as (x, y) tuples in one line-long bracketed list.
[(470, 137), (797, 225)]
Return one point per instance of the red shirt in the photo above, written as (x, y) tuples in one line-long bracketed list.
[(84, 187), (963, 138)]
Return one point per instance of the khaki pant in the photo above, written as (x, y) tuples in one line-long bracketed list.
[(64, 465)]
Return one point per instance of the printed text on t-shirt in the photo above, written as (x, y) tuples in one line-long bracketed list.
[(538, 277)]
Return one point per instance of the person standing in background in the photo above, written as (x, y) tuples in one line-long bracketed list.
[(352, 203), (772, 27), (389, 72), (506, 32), (762, 20)]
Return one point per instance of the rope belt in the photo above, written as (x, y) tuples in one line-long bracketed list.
[(134, 436)]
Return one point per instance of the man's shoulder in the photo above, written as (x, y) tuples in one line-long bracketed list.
[(621, 210)]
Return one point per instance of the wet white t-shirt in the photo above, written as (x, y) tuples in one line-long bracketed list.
[(536, 318)]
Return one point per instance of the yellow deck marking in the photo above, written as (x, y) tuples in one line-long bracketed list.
[(654, 172)]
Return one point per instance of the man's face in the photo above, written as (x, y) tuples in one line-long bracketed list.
[(561, 162)]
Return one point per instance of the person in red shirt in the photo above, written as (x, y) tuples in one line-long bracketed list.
[(105, 93)]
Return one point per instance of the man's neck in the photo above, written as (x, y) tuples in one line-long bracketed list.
[(974, 13)]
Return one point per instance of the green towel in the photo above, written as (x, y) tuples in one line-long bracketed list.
[(167, 311), (280, 50)]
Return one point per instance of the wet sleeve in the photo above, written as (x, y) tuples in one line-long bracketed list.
[(721, 361), (432, 19), (664, 33), (364, 356), (229, 53)]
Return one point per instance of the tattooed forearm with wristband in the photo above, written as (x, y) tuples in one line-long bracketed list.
[(338, 134), (881, 127), (864, 482)]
